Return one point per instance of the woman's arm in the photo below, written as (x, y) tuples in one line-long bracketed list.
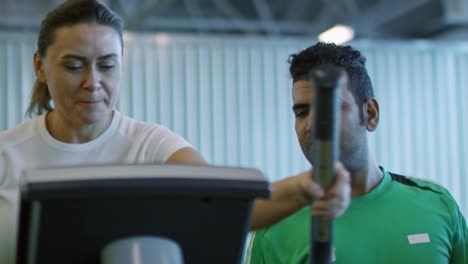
[(187, 156), (293, 193), (290, 194)]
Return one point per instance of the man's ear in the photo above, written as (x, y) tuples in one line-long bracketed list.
[(39, 68), (371, 114)]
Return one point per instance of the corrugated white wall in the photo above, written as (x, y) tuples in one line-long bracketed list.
[(231, 98)]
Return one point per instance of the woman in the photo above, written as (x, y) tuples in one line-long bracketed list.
[(78, 65)]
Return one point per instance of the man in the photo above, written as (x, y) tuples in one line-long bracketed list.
[(391, 218)]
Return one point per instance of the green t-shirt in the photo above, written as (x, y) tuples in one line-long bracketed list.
[(403, 220)]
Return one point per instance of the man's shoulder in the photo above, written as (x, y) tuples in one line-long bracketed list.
[(427, 191), (419, 183), (288, 225), (283, 242)]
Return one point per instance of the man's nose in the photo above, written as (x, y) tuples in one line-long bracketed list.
[(310, 122)]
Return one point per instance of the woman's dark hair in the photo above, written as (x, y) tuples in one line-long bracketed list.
[(69, 13)]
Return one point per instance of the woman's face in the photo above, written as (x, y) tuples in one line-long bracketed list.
[(82, 70)]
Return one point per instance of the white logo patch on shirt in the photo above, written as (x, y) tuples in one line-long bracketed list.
[(419, 238)]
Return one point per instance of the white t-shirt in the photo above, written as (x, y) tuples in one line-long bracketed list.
[(30, 146)]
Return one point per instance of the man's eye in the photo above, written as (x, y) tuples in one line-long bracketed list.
[(301, 113)]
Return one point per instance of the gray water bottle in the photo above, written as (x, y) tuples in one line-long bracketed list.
[(142, 250)]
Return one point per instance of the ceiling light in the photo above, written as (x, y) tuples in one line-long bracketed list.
[(338, 34)]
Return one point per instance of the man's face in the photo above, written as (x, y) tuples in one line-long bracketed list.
[(353, 144)]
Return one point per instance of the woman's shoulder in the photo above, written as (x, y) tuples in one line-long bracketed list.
[(159, 141), (19, 133), (134, 127)]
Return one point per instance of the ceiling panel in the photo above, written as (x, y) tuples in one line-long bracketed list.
[(395, 19)]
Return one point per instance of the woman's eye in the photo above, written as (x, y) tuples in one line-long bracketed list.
[(107, 66), (73, 67)]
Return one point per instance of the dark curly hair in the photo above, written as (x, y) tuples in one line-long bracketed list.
[(343, 56)]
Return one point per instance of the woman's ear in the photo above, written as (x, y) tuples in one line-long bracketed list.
[(39, 68), (371, 114)]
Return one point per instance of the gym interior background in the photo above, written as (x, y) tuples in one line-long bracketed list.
[(216, 72)]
